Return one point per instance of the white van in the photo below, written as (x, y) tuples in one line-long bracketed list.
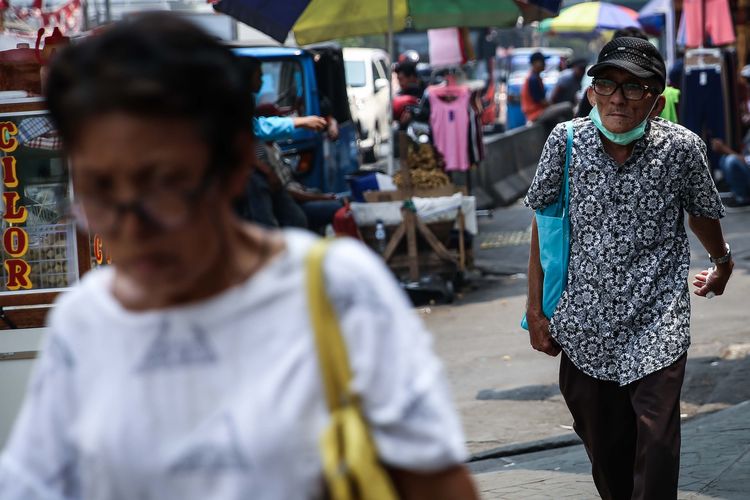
[(367, 73)]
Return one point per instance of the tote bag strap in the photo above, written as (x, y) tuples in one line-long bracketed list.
[(564, 194), (332, 354)]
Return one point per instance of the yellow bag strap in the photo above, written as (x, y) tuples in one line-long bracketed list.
[(332, 354)]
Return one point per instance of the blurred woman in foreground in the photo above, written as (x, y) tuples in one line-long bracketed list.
[(188, 369)]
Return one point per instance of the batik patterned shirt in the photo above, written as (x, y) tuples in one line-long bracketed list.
[(625, 312)]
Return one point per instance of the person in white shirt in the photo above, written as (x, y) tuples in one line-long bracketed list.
[(188, 369)]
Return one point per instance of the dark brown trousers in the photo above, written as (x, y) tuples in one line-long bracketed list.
[(631, 433)]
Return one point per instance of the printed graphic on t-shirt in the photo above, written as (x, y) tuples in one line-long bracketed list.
[(174, 350), (215, 451)]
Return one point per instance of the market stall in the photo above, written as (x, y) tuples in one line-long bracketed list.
[(422, 228), (42, 252)]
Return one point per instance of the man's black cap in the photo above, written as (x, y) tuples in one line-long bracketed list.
[(633, 55), (536, 56)]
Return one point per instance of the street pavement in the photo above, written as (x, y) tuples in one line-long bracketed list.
[(715, 463), (508, 395)]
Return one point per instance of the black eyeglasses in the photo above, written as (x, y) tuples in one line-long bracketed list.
[(631, 91), (163, 208)]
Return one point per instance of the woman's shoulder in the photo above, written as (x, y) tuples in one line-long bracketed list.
[(345, 255), (85, 295), (352, 271)]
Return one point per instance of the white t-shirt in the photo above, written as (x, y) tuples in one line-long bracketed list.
[(223, 399)]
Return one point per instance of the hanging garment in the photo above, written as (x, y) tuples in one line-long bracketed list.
[(717, 28), (449, 120), (445, 47), (476, 136), (671, 98), (450, 47), (732, 99), (705, 115)]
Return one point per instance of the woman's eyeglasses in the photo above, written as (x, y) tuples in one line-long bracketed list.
[(164, 208)]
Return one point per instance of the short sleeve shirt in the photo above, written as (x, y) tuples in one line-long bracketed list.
[(223, 398), (567, 87), (625, 312), (536, 87)]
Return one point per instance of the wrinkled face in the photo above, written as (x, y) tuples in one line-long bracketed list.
[(132, 161), (620, 115)]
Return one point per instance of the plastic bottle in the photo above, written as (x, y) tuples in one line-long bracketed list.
[(380, 235)]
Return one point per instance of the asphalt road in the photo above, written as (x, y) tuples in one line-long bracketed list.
[(507, 393)]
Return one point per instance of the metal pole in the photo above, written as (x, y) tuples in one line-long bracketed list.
[(85, 9), (391, 142), (670, 35)]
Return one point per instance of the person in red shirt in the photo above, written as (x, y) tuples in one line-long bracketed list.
[(533, 99)]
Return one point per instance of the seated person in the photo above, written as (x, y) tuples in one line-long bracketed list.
[(273, 128), (317, 209), (267, 202), (736, 169)]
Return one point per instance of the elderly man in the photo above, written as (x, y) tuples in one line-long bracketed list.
[(623, 321)]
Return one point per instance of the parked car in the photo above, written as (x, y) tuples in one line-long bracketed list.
[(367, 73), (517, 66), (299, 82)]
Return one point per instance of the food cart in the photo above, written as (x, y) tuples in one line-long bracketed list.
[(420, 229)]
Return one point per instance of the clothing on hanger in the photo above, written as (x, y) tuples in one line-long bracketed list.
[(450, 46), (717, 27), (708, 87), (449, 121), (445, 47), (476, 136)]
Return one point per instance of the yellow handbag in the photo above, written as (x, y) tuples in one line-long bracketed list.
[(350, 461)]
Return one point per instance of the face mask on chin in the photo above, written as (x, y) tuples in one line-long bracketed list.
[(624, 138)]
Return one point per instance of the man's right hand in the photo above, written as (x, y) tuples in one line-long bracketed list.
[(316, 123), (539, 335)]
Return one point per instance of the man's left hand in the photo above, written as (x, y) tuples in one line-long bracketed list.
[(333, 129), (712, 280)]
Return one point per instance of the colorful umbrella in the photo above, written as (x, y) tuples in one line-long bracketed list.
[(318, 20), (591, 16)]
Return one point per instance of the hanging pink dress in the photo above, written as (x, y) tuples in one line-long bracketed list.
[(449, 120)]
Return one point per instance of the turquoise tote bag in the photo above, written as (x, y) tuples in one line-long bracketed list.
[(553, 230)]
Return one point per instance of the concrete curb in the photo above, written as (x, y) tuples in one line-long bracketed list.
[(572, 439), (553, 443)]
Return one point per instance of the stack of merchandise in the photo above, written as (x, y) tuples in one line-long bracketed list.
[(426, 166)]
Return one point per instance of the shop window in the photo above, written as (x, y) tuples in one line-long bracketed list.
[(42, 253)]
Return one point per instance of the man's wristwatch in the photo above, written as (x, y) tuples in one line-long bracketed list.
[(724, 258)]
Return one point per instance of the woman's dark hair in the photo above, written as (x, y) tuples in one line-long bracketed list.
[(154, 65), (250, 65)]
